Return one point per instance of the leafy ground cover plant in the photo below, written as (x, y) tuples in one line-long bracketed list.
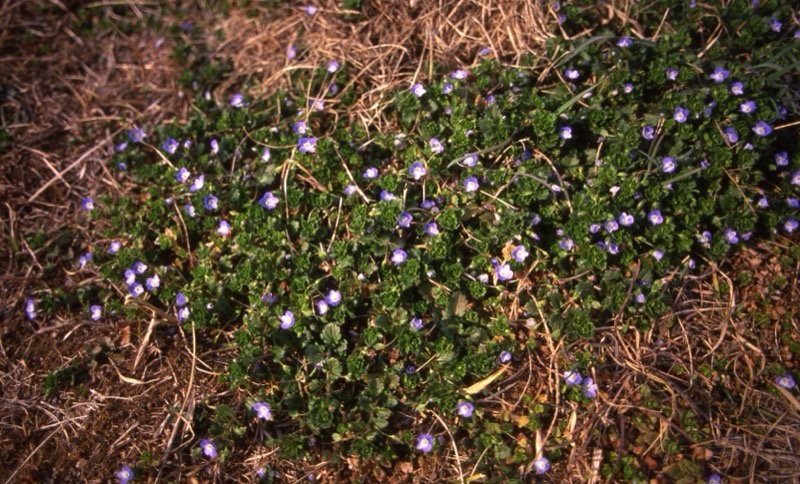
[(375, 284)]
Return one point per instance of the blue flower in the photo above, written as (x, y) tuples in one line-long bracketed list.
[(640, 298), (262, 410), (269, 298), (417, 170), (208, 448), (781, 158), (762, 129), (424, 442), (464, 409), (137, 134), (541, 465), (189, 209), (370, 173), (152, 283), (459, 74), (731, 236), (237, 101), (505, 357), (719, 74), (333, 66), (87, 204), (418, 90), (124, 475), (210, 202), (322, 307), (775, 24), (436, 146), (96, 311), (796, 178), (410, 369), (589, 387), (316, 104), (655, 217), (626, 220), (214, 147), (224, 228), (136, 289), (730, 135), (447, 88), (287, 320), (648, 132), (197, 183), (786, 381), (399, 256), (404, 220), (170, 146), (84, 259), (503, 272), (762, 202), (519, 253), (572, 74), (265, 155), (672, 74), (269, 201), (416, 324), (704, 237), (30, 309), (431, 228), (566, 243), (130, 276), (572, 378), (307, 145), (183, 314), (333, 298), (139, 267), (658, 255), (484, 51), (471, 184), (627, 88), (715, 478), (121, 146), (428, 204), (350, 189), (611, 225), (183, 175), (737, 88), (681, 114), (300, 127), (565, 133), (387, 196), (668, 164), (790, 201), (747, 107), (624, 42), (790, 225), (470, 160)]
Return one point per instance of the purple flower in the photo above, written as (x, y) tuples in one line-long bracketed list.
[(417, 170), (565, 133), (775, 24), (626, 220), (589, 387), (715, 478), (612, 248), (572, 378), (719, 74), (136, 289), (170, 146), (447, 88), (672, 74), (137, 134), (269, 201), (418, 90), (658, 255), (210, 202), (96, 311), (594, 228), (737, 88), (183, 175), (370, 173), (30, 309), (224, 228), (428, 204), (470, 160), (208, 448), (782, 158), (704, 237), (237, 101), (310, 9), (541, 465), (262, 410), (265, 155), (139, 267), (459, 74), (432, 229), (152, 283), (333, 298), (333, 66), (464, 409), (648, 132), (504, 357), (410, 370), (387, 196), (404, 220), (730, 135), (790, 201), (731, 236), (269, 298), (624, 42), (471, 184), (130, 276), (300, 127), (627, 88), (84, 259), (317, 104), (189, 209), (287, 320), (519, 253), (640, 298), (424, 442), (484, 51), (436, 146), (572, 74), (566, 243), (399, 256), (307, 145), (121, 146), (87, 204), (561, 19), (503, 272), (747, 107), (349, 189), (786, 381), (197, 183), (762, 129), (611, 225), (790, 225), (762, 202), (214, 147), (655, 217), (322, 307), (124, 475), (681, 114), (796, 178), (181, 299), (416, 324)]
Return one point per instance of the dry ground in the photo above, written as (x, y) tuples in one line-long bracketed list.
[(64, 96)]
